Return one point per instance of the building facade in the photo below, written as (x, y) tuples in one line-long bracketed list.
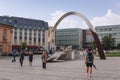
[(5, 39), (67, 37), (87, 38), (114, 30), (33, 32)]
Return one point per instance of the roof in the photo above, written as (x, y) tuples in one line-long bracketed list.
[(6, 25)]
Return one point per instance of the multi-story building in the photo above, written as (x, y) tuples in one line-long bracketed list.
[(114, 30), (71, 36), (33, 32)]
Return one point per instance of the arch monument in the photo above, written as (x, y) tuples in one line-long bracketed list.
[(94, 34)]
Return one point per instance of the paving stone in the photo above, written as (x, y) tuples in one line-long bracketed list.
[(108, 69)]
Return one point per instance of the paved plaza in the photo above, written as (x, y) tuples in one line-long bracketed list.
[(67, 70)]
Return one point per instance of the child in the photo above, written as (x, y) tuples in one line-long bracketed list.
[(44, 59)]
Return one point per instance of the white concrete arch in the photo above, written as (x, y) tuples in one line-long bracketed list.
[(77, 14), (100, 50)]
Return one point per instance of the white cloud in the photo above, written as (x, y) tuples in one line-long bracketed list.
[(109, 18), (68, 22), (55, 16)]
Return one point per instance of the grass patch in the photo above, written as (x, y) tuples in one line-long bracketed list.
[(111, 54)]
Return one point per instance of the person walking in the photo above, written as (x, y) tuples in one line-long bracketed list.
[(21, 57), (30, 54), (44, 59), (89, 59), (14, 55)]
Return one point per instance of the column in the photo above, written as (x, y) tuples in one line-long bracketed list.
[(32, 37), (23, 34), (37, 38), (28, 37), (41, 37), (13, 41), (18, 36)]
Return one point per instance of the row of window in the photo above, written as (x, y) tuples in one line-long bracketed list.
[(25, 30), (106, 29), (30, 41), (67, 41), (30, 33), (67, 38), (113, 34), (66, 33), (30, 38)]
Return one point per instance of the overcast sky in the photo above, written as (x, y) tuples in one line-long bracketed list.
[(99, 12)]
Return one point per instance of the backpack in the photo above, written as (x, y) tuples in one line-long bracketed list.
[(89, 58)]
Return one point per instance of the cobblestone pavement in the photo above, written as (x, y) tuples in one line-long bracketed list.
[(108, 69)]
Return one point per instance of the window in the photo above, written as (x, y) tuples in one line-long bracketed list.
[(15, 25), (0, 48), (39, 34), (15, 21), (105, 29), (25, 31), (39, 43), (30, 42), (15, 29), (4, 20), (10, 20), (110, 29), (34, 39), (30, 32), (5, 35), (43, 34), (114, 34), (34, 43), (20, 37), (20, 26), (25, 26), (25, 37), (101, 29), (38, 39), (15, 42), (43, 41), (15, 37), (30, 38)]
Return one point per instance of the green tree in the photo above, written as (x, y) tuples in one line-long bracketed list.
[(23, 45), (118, 45), (108, 42), (93, 45)]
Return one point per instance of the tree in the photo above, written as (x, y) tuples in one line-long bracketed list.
[(93, 45), (23, 45), (118, 45), (108, 42)]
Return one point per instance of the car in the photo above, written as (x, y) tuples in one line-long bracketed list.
[(39, 51)]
